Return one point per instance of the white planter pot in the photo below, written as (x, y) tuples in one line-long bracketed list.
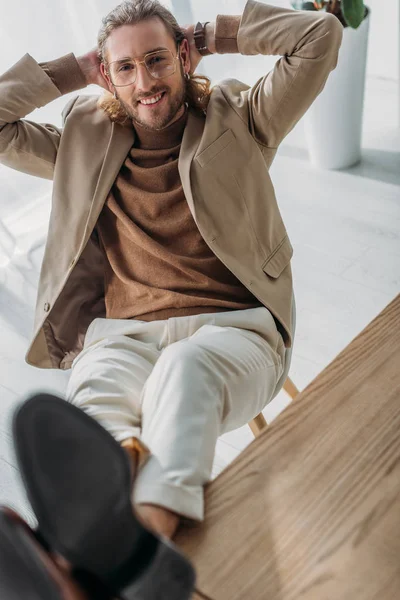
[(333, 123)]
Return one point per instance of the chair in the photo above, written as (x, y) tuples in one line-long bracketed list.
[(258, 423)]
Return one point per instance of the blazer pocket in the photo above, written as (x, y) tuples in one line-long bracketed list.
[(215, 147), (279, 258)]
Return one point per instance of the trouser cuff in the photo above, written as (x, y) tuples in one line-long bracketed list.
[(186, 502)]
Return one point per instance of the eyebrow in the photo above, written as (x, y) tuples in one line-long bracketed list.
[(121, 60)]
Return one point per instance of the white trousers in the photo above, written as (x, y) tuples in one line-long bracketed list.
[(177, 384)]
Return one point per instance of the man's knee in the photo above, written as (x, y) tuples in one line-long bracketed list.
[(182, 355)]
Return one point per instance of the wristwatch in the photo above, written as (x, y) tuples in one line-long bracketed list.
[(200, 38)]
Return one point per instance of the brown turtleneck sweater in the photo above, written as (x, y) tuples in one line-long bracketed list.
[(157, 264)]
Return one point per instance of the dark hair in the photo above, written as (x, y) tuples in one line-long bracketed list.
[(130, 12)]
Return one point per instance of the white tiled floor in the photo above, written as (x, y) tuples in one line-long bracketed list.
[(345, 229)]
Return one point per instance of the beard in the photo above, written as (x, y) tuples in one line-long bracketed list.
[(156, 121)]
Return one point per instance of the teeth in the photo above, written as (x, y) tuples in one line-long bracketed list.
[(152, 101)]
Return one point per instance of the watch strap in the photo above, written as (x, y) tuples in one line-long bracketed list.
[(199, 35)]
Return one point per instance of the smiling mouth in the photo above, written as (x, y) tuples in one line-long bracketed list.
[(153, 103)]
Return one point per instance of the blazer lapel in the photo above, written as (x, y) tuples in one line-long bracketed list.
[(121, 140), (190, 142)]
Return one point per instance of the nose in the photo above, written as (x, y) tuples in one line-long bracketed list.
[(144, 81)]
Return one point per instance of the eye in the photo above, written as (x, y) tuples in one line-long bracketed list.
[(123, 67), (156, 59)]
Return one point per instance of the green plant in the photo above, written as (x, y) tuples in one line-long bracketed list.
[(350, 13)]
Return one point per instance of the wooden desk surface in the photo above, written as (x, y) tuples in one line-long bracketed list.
[(311, 508)]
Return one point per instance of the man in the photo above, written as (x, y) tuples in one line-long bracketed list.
[(166, 283)]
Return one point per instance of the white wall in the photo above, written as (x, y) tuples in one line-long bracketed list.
[(384, 42)]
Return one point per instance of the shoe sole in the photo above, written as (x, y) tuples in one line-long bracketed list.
[(78, 481)]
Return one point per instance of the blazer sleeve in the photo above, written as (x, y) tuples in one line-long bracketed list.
[(25, 145), (308, 42)]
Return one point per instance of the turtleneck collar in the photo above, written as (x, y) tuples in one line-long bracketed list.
[(168, 137)]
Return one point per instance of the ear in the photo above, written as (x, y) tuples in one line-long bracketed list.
[(106, 78), (185, 55)]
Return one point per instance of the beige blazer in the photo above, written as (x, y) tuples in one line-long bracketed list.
[(224, 167)]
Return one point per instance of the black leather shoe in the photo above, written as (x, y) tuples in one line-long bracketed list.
[(78, 481)]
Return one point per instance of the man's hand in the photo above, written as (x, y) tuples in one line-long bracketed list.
[(90, 66), (194, 54)]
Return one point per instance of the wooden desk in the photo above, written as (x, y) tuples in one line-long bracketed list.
[(311, 508)]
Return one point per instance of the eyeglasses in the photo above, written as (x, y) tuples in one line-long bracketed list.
[(159, 64)]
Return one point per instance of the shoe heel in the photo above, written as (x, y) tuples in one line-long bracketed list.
[(35, 533), (22, 572)]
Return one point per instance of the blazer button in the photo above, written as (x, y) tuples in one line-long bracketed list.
[(46, 307)]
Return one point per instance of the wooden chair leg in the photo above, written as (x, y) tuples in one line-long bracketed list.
[(257, 424), (290, 388)]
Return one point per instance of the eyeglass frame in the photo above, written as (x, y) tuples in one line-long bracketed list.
[(140, 62)]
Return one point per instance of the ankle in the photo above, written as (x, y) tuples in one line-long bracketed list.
[(158, 518)]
